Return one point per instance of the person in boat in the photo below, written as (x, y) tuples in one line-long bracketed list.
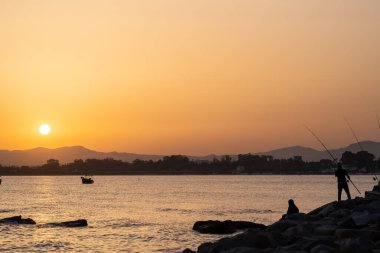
[(342, 177), (292, 207)]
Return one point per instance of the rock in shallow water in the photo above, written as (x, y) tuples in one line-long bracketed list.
[(224, 227), (76, 223), (17, 220)]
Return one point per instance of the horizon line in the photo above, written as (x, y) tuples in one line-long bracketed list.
[(208, 154)]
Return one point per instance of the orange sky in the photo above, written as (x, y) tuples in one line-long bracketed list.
[(190, 77)]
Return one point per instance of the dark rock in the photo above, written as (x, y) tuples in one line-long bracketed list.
[(325, 209), (281, 250), (205, 247), (324, 249), (359, 244), (14, 219), (224, 227), (213, 227), (302, 244), (239, 225), (76, 223), (302, 217), (275, 239), (377, 245), (188, 251), (281, 225), (17, 220), (351, 233), (242, 250), (373, 206), (340, 213), (298, 231), (249, 238), (348, 204), (27, 221), (348, 223), (325, 230), (361, 219)]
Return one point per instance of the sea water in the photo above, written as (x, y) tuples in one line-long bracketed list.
[(149, 213)]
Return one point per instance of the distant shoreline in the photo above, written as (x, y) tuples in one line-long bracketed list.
[(361, 162), (253, 174)]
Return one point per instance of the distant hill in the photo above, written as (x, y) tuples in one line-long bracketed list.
[(38, 156), (310, 154)]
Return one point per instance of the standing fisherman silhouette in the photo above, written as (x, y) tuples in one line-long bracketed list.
[(342, 183), (341, 175)]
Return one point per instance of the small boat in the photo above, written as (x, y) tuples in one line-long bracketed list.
[(87, 180)]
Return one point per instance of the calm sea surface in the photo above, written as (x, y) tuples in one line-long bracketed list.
[(148, 213)]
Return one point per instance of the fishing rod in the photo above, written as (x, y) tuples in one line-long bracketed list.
[(328, 151), (353, 133), (358, 142), (319, 140)]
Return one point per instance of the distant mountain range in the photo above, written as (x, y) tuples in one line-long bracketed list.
[(38, 156), (310, 154)]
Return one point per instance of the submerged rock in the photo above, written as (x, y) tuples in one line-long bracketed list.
[(76, 223), (224, 227), (347, 226), (18, 220)]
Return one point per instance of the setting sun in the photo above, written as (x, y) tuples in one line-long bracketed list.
[(44, 129)]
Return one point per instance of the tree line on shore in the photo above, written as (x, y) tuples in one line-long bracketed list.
[(360, 162)]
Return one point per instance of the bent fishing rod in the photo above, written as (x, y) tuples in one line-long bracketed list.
[(353, 133), (320, 141), (357, 141), (328, 151)]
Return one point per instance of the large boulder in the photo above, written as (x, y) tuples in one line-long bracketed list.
[(281, 226), (355, 233), (249, 238), (325, 230), (302, 217), (213, 227), (242, 250), (321, 248), (358, 244), (361, 219), (298, 231), (304, 243), (340, 213), (325, 209), (224, 227)]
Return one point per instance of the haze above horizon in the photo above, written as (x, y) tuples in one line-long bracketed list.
[(195, 77)]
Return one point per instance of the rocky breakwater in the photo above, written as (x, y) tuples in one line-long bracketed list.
[(347, 226)]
